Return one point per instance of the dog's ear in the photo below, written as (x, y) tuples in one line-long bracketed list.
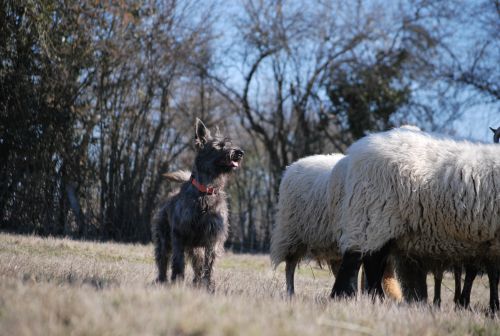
[(493, 130), (202, 134), (218, 134)]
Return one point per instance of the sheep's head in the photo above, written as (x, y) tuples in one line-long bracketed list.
[(496, 134)]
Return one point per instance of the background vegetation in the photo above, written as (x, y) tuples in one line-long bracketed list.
[(98, 98)]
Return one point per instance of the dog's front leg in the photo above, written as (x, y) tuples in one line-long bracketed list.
[(197, 260), (208, 267), (161, 256), (177, 258)]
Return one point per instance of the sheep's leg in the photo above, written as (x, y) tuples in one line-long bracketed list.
[(457, 272), (291, 264), (470, 275), (493, 276), (438, 279), (347, 278), (334, 266), (413, 277), (374, 265), (363, 283)]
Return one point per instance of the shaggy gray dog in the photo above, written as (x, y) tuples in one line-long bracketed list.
[(193, 220)]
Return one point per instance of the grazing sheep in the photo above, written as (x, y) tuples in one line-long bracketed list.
[(436, 270), (306, 222), (462, 298), (419, 196), (472, 270), (303, 222)]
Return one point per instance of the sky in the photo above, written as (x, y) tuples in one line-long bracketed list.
[(475, 123)]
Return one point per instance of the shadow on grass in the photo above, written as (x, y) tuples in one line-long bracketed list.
[(72, 279)]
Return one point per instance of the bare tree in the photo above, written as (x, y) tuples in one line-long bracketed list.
[(475, 65), (143, 61)]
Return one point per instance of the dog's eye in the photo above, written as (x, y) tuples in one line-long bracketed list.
[(221, 145)]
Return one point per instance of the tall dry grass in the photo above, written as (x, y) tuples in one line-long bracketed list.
[(61, 287)]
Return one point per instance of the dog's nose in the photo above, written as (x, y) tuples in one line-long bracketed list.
[(237, 155)]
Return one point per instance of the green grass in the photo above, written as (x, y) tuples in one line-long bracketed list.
[(61, 287)]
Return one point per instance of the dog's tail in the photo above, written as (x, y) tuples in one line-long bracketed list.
[(179, 176)]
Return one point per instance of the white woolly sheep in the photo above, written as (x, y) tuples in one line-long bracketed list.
[(426, 197), (471, 270), (461, 298), (303, 221), (306, 222)]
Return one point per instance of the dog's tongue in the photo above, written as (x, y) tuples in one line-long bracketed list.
[(234, 164)]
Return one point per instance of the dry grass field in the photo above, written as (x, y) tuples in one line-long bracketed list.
[(63, 287)]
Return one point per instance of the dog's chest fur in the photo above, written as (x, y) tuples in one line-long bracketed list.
[(198, 219)]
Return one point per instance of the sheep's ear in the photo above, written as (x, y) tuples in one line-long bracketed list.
[(496, 135), (201, 135)]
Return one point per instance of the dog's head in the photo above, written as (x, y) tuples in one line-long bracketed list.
[(215, 154)]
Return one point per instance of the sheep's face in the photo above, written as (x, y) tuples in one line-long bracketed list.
[(496, 134)]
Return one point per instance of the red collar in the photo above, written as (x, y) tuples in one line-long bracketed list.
[(202, 188)]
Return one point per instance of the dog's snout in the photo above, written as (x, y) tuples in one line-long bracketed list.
[(238, 154)]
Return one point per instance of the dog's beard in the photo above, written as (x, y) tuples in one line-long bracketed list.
[(227, 167)]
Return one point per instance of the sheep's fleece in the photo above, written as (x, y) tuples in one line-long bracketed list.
[(432, 195), (306, 221)]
